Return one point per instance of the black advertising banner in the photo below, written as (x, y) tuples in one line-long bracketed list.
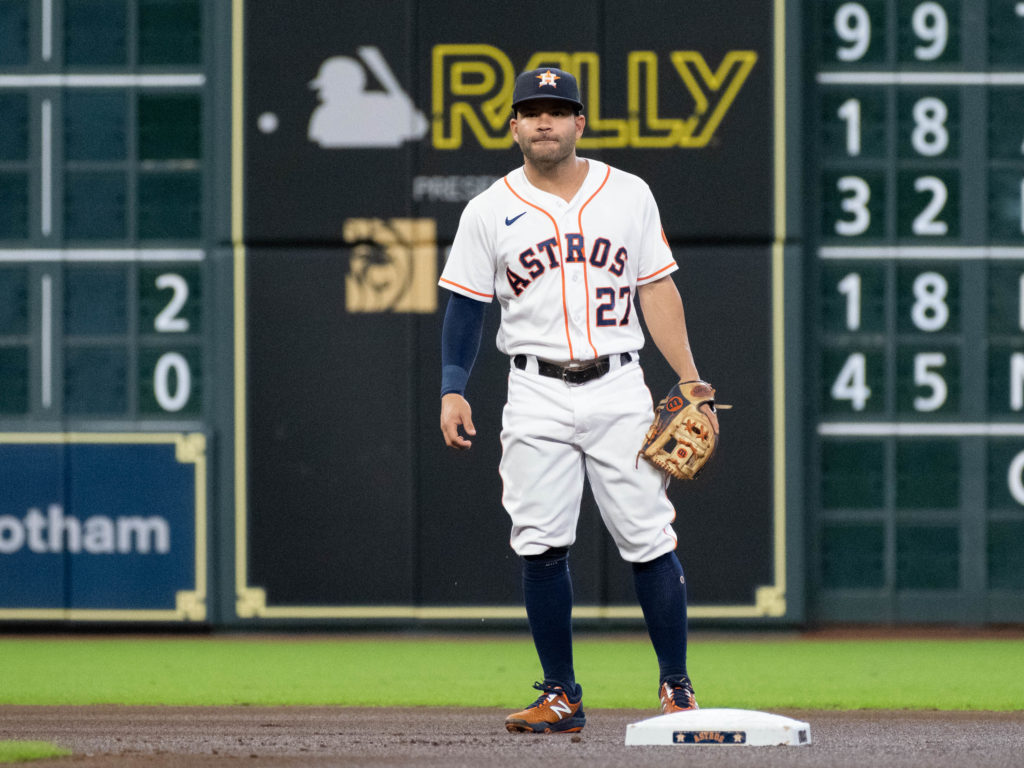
[(400, 109), (366, 130)]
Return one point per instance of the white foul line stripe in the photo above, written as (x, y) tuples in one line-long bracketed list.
[(907, 429)]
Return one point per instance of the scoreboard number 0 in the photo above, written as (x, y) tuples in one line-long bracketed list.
[(172, 374), (172, 398)]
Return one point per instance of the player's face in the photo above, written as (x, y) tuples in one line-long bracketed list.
[(546, 131)]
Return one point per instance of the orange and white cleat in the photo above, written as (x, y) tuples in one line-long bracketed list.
[(677, 696), (553, 712)]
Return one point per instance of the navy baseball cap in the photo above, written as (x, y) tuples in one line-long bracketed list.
[(546, 83)]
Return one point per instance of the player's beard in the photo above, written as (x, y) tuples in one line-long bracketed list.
[(549, 152)]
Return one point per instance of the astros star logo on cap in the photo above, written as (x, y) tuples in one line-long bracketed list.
[(548, 78)]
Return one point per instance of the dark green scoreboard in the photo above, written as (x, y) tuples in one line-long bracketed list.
[(106, 233), (917, 278)]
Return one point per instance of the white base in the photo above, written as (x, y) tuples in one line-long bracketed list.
[(742, 727)]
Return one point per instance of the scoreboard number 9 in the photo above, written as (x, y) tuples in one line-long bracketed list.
[(856, 29)]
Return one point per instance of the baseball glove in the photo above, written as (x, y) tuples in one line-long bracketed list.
[(681, 439)]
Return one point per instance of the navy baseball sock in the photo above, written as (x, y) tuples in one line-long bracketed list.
[(547, 593), (661, 592)]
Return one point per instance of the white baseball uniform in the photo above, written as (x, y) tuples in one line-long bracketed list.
[(566, 276)]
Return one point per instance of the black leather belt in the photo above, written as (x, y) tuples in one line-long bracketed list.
[(574, 373)]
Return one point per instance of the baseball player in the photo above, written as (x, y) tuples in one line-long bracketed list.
[(572, 249)]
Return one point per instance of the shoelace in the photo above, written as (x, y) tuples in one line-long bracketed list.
[(549, 691), (682, 693)]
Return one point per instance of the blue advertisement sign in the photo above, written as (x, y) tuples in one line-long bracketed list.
[(103, 526)]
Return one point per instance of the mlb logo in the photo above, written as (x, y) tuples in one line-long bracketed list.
[(392, 265)]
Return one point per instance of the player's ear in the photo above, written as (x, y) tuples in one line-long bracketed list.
[(581, 121)]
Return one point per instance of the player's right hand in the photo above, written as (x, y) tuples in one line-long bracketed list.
[(455, 413)]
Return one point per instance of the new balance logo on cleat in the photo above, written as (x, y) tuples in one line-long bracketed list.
[(552, 712), (558, 706)]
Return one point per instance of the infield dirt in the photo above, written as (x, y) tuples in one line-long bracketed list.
[(169, 737)]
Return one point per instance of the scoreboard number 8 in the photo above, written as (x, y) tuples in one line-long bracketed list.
[(930, 136), (930, 311)]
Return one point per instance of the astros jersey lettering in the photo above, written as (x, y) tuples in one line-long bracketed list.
[(564, 273)]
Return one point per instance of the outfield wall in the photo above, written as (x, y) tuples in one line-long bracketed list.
[(220, 236)]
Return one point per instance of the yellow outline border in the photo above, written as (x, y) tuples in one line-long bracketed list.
[(189, 448), (251, 602)]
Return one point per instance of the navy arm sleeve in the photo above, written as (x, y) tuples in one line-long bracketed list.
[(460, 341)]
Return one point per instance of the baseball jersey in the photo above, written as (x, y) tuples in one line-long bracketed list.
[(564, 273)]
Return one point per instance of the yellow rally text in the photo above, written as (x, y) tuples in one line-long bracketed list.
[(472, 92)]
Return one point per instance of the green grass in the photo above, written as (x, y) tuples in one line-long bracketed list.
[(759, 673), (23, 751)]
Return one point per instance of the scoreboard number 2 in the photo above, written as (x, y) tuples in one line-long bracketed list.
[(172, 374)]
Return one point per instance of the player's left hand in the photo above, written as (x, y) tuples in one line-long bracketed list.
[(712, 415)]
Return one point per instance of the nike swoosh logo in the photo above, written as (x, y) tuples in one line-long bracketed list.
[(509, 222)]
